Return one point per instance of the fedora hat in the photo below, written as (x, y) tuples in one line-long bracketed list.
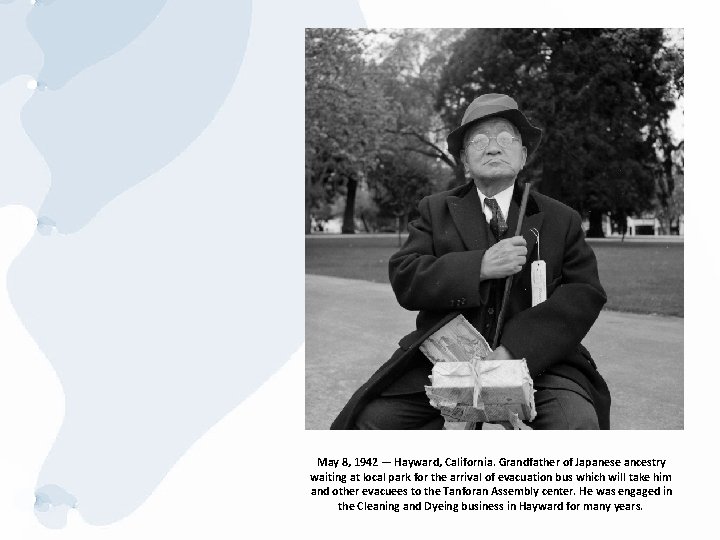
[(494, 106)]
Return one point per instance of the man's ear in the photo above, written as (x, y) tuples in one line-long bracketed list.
[(524, 159)]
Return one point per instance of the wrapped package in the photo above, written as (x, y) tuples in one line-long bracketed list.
[(466, 387), (501, 386), (458, 412), (452, 382)]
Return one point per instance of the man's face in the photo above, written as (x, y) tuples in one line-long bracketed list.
[(494, 163)]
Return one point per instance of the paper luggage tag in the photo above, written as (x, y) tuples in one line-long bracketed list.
[(537, 276)]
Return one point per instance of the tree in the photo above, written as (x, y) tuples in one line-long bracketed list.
[(346, 118), (602, 97), (670, 191), (398, 182), (412, 64)]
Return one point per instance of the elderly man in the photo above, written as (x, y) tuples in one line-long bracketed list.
[(456, 259)]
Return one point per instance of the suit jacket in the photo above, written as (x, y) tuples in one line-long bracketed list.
[(437, 272)]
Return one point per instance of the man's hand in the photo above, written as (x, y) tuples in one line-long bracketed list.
[(501, 353), (505, 258)]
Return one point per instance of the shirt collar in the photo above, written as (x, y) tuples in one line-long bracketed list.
[(503, 199)]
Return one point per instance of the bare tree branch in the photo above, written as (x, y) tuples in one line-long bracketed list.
[(439, 152), (443, 157)]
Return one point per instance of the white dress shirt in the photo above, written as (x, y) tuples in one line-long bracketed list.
[(503, 199)]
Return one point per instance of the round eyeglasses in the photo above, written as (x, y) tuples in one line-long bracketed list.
[(481, 141)]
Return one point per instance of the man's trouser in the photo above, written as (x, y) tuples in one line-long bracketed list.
[(556, 409)]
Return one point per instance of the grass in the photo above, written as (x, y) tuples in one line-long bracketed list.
[(638, 277)]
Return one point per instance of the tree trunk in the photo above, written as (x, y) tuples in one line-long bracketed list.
[(308, 222), (665, 223), (348, 226), (596, 228), (622, 226), (365, 223)]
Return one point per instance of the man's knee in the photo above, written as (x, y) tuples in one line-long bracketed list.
[(563, 409), (375, 415)]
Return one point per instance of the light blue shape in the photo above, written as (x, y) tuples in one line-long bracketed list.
[(126, 117), (185, 294), (75, 34), (19, 53), (52, 504), (24, 176)]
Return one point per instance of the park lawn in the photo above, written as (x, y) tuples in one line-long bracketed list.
[(638, 277)]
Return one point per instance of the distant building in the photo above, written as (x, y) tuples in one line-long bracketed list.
[(647, 225)]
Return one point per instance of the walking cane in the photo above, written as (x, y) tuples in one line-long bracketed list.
[(509, 279)]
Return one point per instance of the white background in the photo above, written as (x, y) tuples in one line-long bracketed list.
[(249, 474)]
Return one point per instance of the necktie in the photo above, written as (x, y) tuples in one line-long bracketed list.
[(497, 223)]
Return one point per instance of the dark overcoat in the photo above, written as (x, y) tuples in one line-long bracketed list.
[(437, 272)]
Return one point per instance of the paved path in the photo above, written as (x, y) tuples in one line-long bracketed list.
[(351, 327)]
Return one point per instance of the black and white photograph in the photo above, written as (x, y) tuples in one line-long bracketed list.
[(494, 228)]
